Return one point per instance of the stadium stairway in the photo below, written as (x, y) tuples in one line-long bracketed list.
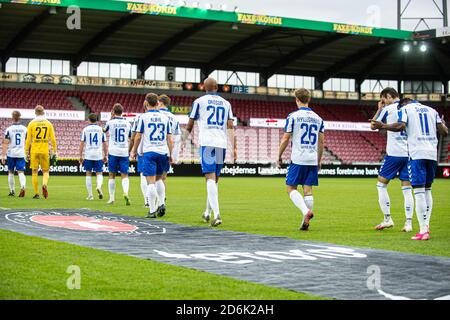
[(77, 104), (445, 150)]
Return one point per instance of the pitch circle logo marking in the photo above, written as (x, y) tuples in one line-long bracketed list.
[(83, 223)]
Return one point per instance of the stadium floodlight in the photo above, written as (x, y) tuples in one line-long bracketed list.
[(234, 26), (195, 4), (52, 10), (423, 47), (223, 7), (208, 6), (406, 47)]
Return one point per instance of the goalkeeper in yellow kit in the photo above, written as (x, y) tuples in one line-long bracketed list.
[(39, 133)]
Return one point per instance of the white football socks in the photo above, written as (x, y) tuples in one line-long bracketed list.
[(309, 201), (383, 200), (298, 201), (11, 182), (89, 185), (99, 181), (152, 197), (125, 186), (161, 190), (213, 197), (22, 180), (429, 200), (112, 189), (421, 208), (144, 188), (409, 202), (208, 207)]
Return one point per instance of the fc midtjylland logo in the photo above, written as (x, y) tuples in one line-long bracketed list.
[(84, 222)]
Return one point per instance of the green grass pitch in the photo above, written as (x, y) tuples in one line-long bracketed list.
[(346, 211)]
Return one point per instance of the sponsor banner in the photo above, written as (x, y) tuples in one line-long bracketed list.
[(369, 96), (329, 125), (352, 29), (443, 32), (258, 19), (90, 81), (267, 123), (151, 8), (243, 89), (347, 126), (73, 168), (49, 114), (106, 116), (180, 109), (37, 78), (286, 92), (318, 94), (329, 94), (434, 97)]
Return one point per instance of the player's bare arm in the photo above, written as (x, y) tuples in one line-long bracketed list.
[(170, 146), (283, 145), (137, 141), (320, 149), (5, 144), (133, 136), (28, 143), (105, 152), (442, 127), (395, 127), (232, 137), (375, 116), (81, 152)]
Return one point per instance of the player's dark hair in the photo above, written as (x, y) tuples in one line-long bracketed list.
[(164, 99), (303, 95), (93, 118), (389, 91), (404, 102), (117, 109), (152, 99), (16, 115)]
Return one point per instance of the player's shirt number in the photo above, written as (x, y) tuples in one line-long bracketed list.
[(423, 118), (18, 139), (217, 115), (309, 136), (41, 133), (119, 135), (157, 131), (93, 138)]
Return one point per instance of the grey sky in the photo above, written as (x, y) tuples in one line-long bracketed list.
[(382, 13)]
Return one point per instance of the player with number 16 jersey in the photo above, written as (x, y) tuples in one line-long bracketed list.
[(118, 158)]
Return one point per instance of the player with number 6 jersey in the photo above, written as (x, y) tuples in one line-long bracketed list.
[(307, 131), (14, 149), (118, 155)]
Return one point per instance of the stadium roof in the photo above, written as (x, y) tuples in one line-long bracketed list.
[(151, 34)]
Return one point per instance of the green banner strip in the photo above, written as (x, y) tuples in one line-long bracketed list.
[(225, 16)]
